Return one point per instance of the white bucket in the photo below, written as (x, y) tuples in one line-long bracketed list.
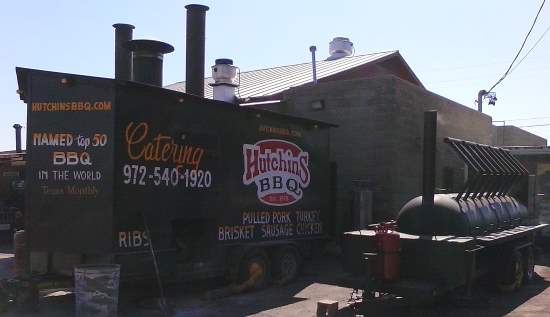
[(96, 290)]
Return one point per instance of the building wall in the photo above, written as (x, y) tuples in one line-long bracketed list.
[(392, 66), (379, 138), (510, 135), (454, 120)]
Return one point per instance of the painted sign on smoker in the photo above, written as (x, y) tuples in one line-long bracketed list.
[(278, 168)]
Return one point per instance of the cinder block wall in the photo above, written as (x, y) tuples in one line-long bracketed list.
[(454, 120), (362, 144), (380, 136), (511, 135)]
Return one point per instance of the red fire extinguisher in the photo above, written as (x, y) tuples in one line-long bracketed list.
[(387, 242)]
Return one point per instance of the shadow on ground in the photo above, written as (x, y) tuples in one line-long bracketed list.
[(320, 280), (530, 300), (289, 300)]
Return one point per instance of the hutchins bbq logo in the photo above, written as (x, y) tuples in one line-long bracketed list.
[(279, 169)]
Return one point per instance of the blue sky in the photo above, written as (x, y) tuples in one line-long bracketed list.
[(456, 48)]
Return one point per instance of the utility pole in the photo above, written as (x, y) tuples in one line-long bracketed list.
[(482, 93)]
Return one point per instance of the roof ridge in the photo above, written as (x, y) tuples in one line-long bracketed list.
[(297, 64)]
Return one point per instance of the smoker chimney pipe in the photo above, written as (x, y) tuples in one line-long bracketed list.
[(312, 49), (17, 128), (147, 60), (194, 59), (428, 156), (123, 57)]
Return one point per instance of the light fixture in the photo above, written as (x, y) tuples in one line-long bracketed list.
[(317, 105), (492, 96)]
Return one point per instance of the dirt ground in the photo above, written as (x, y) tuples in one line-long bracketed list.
[(319, 280)]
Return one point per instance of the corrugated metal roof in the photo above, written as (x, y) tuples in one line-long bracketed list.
[(270, 81)]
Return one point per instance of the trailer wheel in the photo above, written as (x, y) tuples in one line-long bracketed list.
[(286, 264), (511, 278), (529, 265), (254, 271)]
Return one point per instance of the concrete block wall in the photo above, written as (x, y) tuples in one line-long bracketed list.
[(454, 120), (363, 109), (379, 137), (510, 135)]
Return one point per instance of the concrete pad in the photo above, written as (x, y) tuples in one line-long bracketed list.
[(320, 280)]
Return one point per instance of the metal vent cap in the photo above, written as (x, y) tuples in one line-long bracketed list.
[(340, 47), (223, 72)]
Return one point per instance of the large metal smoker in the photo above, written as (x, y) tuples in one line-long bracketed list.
[(448, 240)]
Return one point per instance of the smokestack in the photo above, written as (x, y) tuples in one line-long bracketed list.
[(312, 49), (147, 60), (123, 57), (428, 158), (17, 128), (194, 59)]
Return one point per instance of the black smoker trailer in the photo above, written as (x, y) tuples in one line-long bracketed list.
[(12, 187), (219, 186), (448, 240)]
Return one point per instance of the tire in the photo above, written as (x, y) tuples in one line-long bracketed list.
[(254, 271), (287, 263), (529, 265), (511, 277)]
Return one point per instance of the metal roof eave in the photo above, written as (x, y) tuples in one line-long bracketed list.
[(402, 60)]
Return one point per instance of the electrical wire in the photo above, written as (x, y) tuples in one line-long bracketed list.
[(523, 119), (536, 43), (534, 125), (479, 76), (520, 49)]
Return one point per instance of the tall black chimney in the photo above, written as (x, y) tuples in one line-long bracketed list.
[(194, 53), (123, 57), (428, 162), (17, 128), (147, 60)]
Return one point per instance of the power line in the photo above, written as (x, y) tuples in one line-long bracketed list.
[(524, 119), (480, 77), (534, 125), (520, 49), (536, 43), (468, 67)]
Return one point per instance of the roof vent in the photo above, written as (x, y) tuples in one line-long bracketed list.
[(224, 74), (223, 71), (340, 47)]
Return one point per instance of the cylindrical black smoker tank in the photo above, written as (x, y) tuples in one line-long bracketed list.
[(469, 217)]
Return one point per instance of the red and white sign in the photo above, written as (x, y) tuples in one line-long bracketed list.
[(278, 168)]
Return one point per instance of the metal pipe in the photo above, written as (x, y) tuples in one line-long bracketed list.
[(123, 57), (147, 60), (312, 49), (17, 128), (480, 96), (428, 158), (194, 50)]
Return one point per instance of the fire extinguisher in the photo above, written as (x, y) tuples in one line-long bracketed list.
[(387, 242)]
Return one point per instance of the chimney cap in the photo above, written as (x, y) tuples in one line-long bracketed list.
[(148, 45), (17, 126), (312, 48), (123, 26), (223, 61), (198, 7)]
